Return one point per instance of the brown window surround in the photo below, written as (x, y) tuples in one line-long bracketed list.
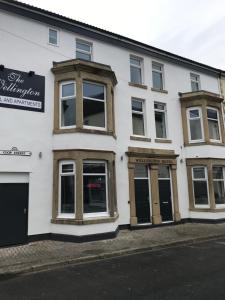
[(153, 158), (140, 138), (202, 99), (138, 85), (208, 163), (79, 71), (166, 141), (78, 156)]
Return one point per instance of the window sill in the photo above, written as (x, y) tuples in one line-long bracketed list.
[(204, 143), (166, 141), (83, 130), (215, 210), (160, 91), (138, 85), (87, 221), (140, 138)]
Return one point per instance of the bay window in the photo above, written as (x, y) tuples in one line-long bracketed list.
[(68, 104), (213, 124), (200, 186), (218, 185), (138, 117), (194, 117)]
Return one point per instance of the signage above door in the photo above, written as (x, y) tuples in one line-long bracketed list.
[(21, 90)]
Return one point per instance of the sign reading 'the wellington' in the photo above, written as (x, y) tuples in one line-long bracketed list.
[(21, 91)]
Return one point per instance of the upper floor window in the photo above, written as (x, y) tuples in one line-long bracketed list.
[(83, 50), (160, 120), (68, 104), (136, 69), (218, 184), (200, 186), (157, 76), (66, 187), (53, 36), (94, 105), (194, 116), (213, 123), (195, 82), (138, 117)]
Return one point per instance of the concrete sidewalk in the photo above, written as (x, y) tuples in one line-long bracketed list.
[(48, 254)]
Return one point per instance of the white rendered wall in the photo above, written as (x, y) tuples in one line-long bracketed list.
[(24, 46)]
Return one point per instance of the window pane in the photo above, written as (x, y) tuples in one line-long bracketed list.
[(67, 168), (81, 55), (137, 105), (214, 132), (199, 172), (217, 172), (157, 80), (68, 90), (83, 46), (160, 106), (200, 192), (194, 86), (67, 194), (138, 124), (135, 75), (164, 172), (160, 124), (94, 168), (92, 90), (52, 36), (94, 194), (135, 61), (194, 113), (94, 113), (219, 192), (140, 171), (157, 67), (68, 113), (195, 129), (212, 114)]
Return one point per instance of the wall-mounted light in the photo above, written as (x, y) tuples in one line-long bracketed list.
[(31, 73), (2, 67)]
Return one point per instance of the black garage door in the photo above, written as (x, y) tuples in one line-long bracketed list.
[(13, 213)]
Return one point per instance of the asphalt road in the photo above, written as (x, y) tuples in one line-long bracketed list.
[(181, 273)]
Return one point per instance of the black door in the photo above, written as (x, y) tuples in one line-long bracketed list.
[(13, 213), (142, 200), (165, 200)]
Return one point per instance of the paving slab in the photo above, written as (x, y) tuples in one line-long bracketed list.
[(47, 254)]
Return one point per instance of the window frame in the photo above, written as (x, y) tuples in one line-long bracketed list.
[(83, 51), (99, 214), (195, 81), (99, 100), (160, 72), (143, 113), (61, 215), (200, 179), (166, 120), (218, 122), (57, 31), (223, 180), (66, 98), (141, 68), (201, 123)]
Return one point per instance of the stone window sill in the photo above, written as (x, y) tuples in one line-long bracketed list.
[(203, 144), (88, 221), (160, 91), (216, 210), (138, 85), (166, 141), (83, 130), (140, 138)]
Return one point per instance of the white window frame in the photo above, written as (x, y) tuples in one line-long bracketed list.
[(201, 179), (143, 113), (107, 177), (160, 72), (141, 67), (218, 121), (195, 81), (201, 124), (57, 31), (166, 119), (99, 100), (62, 163), (223, 180), (83, 51), (65, 98)]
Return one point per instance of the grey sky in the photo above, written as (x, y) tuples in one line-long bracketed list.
[(190, 28)]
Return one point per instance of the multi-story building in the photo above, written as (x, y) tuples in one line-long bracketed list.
[(99, 131)]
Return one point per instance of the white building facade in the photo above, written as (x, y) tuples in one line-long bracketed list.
[(100, 132)]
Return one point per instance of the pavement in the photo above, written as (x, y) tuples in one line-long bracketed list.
[(48, 254)]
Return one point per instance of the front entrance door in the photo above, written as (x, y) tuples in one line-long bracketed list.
[(13, 213), (165, 200), (142, 201)]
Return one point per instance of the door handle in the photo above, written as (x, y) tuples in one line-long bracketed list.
[(164, 202), (25, 211)]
